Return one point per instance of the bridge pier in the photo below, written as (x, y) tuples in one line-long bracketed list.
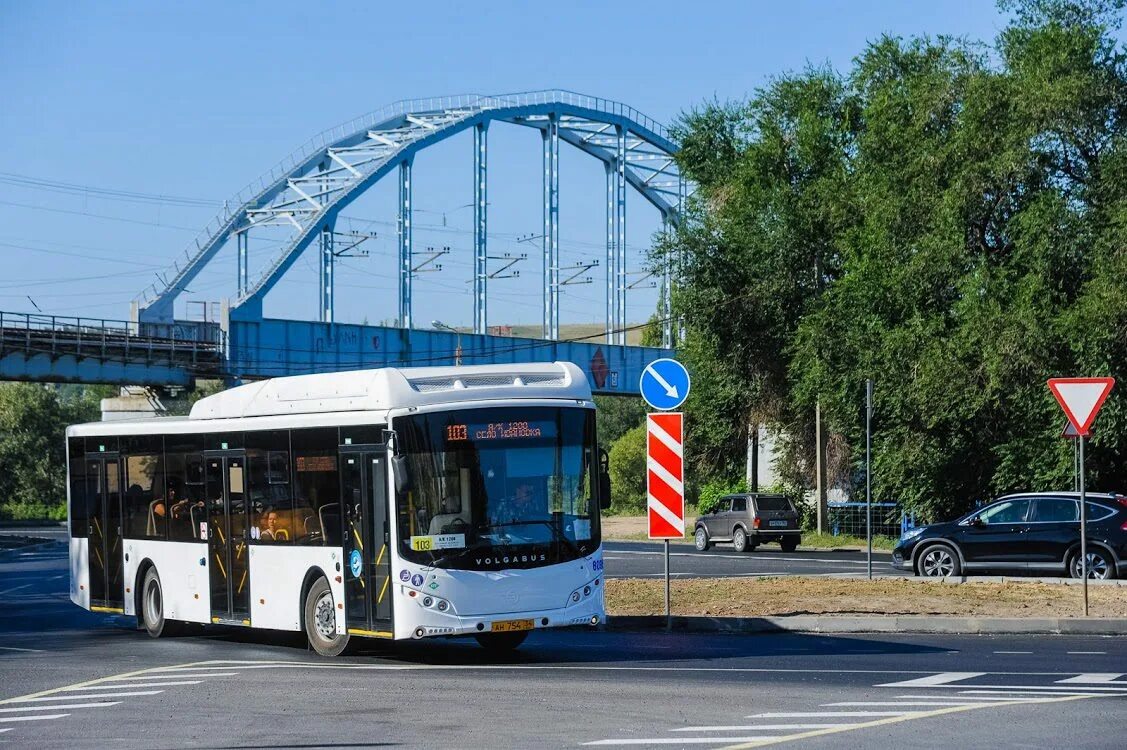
[(142, 402)]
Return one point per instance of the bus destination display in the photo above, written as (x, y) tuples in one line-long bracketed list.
[(487, 431)]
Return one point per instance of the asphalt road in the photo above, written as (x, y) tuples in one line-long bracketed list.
[(646, 560), (69, 678)]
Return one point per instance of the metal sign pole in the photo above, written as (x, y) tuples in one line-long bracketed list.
[(869, 474), (1083, 529), (668, 614)]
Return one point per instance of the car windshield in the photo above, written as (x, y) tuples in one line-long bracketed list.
[(772, 502), (513, 480)]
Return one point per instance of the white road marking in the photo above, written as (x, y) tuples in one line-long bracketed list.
[(938, 701), (58, 708), (964, 697), (1020, 695), (172, 675), (1093, 678), (43, 717), (87, 696), (753, 727), (1052, 688), (17, 588), (1086, 653), (27, 650), (5, 729), (943, 678), (826, 714), (103, 686), (684, 740), (1013, 652)]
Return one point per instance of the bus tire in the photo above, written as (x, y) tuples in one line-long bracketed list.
[(321, 621), (500, 643), (152, 607)]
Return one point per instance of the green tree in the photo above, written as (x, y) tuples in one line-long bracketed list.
[(33, 421), (946, 223), (616, 415), (628, 471)]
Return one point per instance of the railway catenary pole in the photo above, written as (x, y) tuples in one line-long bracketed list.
[(480, 223)]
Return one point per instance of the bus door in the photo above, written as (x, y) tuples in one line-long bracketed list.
[(367, 535), (228, 568), (103, 495)]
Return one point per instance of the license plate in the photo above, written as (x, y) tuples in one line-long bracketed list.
[(504, 626), (782, 524)]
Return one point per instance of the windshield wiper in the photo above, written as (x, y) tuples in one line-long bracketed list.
[(437, 561), (558, 535)]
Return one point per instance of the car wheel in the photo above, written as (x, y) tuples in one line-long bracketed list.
[(1100, 565), (321, 621), (789, 545), (939, 561), (702, 539), (739, 540), (499, 643)]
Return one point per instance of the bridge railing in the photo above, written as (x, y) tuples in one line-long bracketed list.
[(188, 342)]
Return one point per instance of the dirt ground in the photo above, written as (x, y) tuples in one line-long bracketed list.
[(747, 597)]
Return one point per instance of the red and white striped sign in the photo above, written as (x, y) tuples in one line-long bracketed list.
[(665, 475)]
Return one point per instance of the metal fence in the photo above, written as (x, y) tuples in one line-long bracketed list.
[(850, 519)]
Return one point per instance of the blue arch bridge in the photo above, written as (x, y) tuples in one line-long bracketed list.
[(300, 200)]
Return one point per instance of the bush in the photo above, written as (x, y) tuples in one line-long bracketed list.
[(628, 471), (712, 491)]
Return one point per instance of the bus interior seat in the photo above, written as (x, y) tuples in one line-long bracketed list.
[(451, 512), (329, 516)]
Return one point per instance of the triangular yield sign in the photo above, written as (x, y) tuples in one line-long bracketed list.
[(1081, 398), (1070, 432)]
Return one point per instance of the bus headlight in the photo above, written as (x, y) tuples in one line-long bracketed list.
[(433, 602)]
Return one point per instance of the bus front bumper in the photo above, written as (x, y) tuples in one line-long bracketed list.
[(429, 623)]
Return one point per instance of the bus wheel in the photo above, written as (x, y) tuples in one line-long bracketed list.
[(152, 607), (501, 642), (321, 621)]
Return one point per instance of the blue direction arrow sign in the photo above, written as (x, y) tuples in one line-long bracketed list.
[(665, 384)]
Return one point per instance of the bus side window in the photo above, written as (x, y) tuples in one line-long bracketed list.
[(316, 485), (272, 518), (146, 510), (183, 469), (76, 466)]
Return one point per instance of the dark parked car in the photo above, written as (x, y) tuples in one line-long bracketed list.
[(748, 520), (1035, 531)]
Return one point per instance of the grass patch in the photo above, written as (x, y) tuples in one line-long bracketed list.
[(762, 597)]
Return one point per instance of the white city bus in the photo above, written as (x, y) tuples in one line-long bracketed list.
[(389, 503)]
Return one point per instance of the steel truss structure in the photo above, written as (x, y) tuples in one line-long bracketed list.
[(307, 191)]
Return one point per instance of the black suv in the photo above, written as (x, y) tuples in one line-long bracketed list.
[(1034, 531), (748, 520)]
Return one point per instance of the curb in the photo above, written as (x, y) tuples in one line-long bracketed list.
[(11, 552), (877, 624)]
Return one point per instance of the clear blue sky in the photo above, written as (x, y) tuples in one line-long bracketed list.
[(197, 99)]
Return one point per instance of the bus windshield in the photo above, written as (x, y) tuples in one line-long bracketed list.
[(499, 488)]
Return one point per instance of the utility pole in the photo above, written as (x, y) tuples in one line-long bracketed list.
[(820, 470)]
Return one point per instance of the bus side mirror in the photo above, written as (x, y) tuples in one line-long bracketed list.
[(604, 480), (604, 490), (402, 471)]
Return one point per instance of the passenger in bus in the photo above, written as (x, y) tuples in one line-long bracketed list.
[(269, 531)]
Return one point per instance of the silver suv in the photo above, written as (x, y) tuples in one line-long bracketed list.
[(748, 520)]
